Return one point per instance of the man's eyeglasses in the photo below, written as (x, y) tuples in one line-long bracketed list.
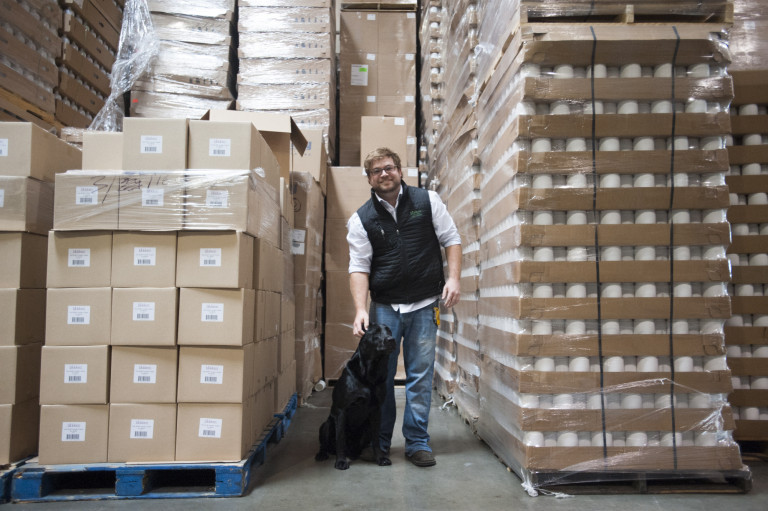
[(388, 169)]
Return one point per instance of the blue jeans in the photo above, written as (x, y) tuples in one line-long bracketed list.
[(418, 332)]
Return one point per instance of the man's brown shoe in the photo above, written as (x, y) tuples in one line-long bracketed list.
[(422, 459)]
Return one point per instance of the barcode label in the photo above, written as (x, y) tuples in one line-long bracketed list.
[(219, 147), (152, 197), (142, 429), (151, 144), (143, 311), (210, 257), (2, 198), (79, 257), (212, 312), (3, 147), (217, 198), (144, 373), (73, 431), (75, 373), (79, 315), (210, 428), (144, 256), (212, 374), (86, 195), (359, 76)]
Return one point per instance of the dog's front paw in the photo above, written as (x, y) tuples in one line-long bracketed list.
[(321, 456), (342, 464), (383, 461)]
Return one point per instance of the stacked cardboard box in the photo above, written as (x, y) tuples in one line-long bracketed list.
[(193, 319), (748, 253), (29, 158), (431, 83), (30, 48), (597, 263), (307, 250), (194, 71), (288, 62), (377, 76), (88, 49)]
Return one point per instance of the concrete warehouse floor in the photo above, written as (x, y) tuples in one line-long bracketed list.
[(467, 476)]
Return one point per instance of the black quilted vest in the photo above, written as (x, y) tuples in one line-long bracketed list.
[(407, 264)]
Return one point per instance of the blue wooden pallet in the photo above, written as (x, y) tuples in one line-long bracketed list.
[(6, 477), (114, 481)]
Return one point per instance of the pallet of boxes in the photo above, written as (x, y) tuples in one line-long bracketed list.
[(29, 159), (164, 294), (603, 234), (745, 332)]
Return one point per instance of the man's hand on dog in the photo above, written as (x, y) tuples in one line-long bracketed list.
[(361, 323)]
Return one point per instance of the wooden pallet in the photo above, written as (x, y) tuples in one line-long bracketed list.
[(631, 482), (115, 481), (6, 477), (713, 11), (380, 5), (15, 108)]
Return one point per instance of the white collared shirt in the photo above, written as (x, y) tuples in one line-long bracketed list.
[(361, 251)]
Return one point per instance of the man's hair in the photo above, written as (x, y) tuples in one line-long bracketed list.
[(377, 154)]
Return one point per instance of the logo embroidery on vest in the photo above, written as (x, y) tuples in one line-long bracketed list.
[(416, 213)]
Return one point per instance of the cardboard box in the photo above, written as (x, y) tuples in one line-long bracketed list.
[(154, 144), (102, 150), (348, 189), (22, 316), (340, 344), (269, 266), (141, 432), (280, 132), (151, 200), (215, 259), (286, 349), (19, 373), (24, 259), (265, 362), (86, 200), (78, 316), (216, 317), (144, 316), (216, 375), (336, 246), (79, 259), (213, 432), (359, 73), (238, 200), (29, 151), (73, 434), (388, 132), (340, 308), (74, 375), (271, 314), (378, 32), (19, 427), (143, 374), (315, 158), (285, 387), (143, 259), (26, 204), (232, 146)]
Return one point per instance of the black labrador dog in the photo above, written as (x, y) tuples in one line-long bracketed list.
[(355, 417)]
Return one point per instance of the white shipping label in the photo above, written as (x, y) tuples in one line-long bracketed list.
[(151, 144), (212, 312), (211, 374), (298, 248), (410, 141), (410, 99), (151, 197), (3, 147), (143, 311), (359, 76), (299, 235), (73, 431), (411, 15), (220, 147), (144, 256), (370, 99), (2, 198), (217, 198), (410, 56), (79, 257), (86, 195), (370, 56), (144, 373), (413, 172), (78, 314), (142, 429), (210, 428), (399, 121), (75, 373), (210, 257), (371, 17)]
